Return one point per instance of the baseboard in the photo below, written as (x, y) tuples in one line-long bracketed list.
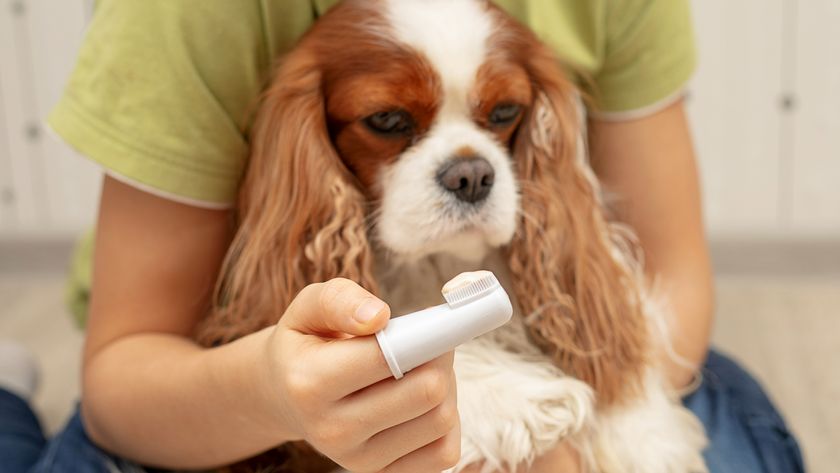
[(729, 256), (777, 257), (26, 256)]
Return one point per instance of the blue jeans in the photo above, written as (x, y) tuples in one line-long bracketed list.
[(746, 433), (23, 447)]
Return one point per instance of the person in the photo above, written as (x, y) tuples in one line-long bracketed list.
[(162, 97)]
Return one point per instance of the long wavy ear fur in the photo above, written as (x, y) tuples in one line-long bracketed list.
[(576, 280), (301, 217)]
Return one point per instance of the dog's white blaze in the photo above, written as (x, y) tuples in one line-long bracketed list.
[(417, 217), (452, 35)]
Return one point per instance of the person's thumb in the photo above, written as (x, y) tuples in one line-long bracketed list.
[(336, 306)]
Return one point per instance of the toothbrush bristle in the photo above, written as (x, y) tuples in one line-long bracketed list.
[(476, 288)]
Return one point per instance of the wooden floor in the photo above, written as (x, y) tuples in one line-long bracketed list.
[(786, 330)]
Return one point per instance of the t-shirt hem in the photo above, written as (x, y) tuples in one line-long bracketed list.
[(101, 144), (646, 111), (167, 195), (648, 100)]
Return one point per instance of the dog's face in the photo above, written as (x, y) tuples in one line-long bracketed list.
[(426, 122)]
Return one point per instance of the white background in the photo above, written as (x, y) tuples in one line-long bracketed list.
[(769, 171)]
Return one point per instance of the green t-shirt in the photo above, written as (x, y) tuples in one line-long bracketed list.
[(163, 90)]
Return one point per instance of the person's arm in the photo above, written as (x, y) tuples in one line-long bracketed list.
[(155, 264), (154, 396), (649, 164)]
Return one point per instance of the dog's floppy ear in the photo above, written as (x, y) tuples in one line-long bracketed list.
[(301, 217), (576, 286)]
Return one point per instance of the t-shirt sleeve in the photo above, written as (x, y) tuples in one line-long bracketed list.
[(649, 56), (162, 93)]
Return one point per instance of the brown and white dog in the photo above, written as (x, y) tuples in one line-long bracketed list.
[(404, 141)]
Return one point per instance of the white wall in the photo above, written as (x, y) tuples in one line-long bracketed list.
[(766, 114), (45, 189), (768, 170)]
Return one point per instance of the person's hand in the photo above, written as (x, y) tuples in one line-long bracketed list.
[(334, 389)]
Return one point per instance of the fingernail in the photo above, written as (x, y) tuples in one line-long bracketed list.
[(368, 310)]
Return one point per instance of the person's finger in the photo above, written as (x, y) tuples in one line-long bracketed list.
[(404, 438), (346, 365), (439, 455), (392, 402), (336, 306), (321, 313)]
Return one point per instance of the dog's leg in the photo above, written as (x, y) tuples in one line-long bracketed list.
[(514, 407), (654, 434)]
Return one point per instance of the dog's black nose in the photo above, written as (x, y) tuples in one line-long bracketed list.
[(469, 178)]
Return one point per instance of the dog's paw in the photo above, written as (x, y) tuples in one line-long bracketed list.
[(514, 407), (653, 435)]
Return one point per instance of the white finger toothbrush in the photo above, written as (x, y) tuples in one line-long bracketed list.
[(475, 304)]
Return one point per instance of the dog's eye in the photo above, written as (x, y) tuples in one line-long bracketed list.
[(394, 122), (504, 114)]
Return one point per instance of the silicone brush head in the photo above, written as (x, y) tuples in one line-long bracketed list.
[(467, 287)]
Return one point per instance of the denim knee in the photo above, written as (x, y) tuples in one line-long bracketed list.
[(747, 434)]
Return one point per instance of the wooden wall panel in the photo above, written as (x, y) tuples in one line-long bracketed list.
[(23, 160), (735, 115), (71, 181), (48, 190), (814, 192)]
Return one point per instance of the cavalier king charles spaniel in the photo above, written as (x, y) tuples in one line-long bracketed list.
[(404, 141)]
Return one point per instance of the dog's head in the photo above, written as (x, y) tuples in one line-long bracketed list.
[(421, 127), (423, 107), (416, 105)]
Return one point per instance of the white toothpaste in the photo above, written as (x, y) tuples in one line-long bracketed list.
[(475, 304)]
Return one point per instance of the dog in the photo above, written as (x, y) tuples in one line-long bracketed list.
[(404, 141)]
